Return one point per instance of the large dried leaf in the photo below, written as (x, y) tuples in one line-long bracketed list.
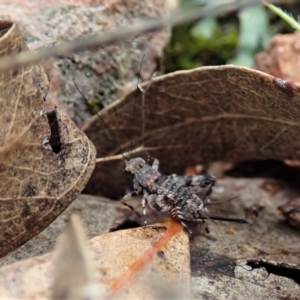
[(211, 113), (45, 161)]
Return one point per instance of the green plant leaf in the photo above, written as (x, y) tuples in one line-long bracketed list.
[(205, 27), (254, 32)]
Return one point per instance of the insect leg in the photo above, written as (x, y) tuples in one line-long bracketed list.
[(129, 195), (144, 203), (175, 213), (208, 193), (205, 226), (186, 228), (155, 164)]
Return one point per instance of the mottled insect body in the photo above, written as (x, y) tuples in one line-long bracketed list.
[(174, 194)]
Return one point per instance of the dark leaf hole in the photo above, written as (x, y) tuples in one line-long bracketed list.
[(54, 141), (126, 225), (280, 269)]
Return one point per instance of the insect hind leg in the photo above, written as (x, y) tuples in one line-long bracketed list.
[(176, 214), (186, 228), (190, 232)]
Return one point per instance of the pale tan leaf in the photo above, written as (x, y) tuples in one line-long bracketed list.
[(73, 271), (131, 264)]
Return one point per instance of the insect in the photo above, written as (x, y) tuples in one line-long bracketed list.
[(175, 194)]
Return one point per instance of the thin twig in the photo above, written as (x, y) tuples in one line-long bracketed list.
[(135, 151)]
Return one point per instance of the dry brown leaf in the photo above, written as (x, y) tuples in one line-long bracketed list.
[(45, 159), (118, 259), (212, 113), (282, 58)]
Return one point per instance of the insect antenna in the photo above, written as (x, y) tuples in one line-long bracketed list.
[(106, 126), (135, 100), (220, 218), (207, 203), (234, 220), (132, 151), (144, 91)]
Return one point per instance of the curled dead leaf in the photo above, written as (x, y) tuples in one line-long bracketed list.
[(207, 114), (45, 160), (281, 57)]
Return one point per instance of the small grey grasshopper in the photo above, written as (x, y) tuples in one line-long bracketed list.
[(175, 194)]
